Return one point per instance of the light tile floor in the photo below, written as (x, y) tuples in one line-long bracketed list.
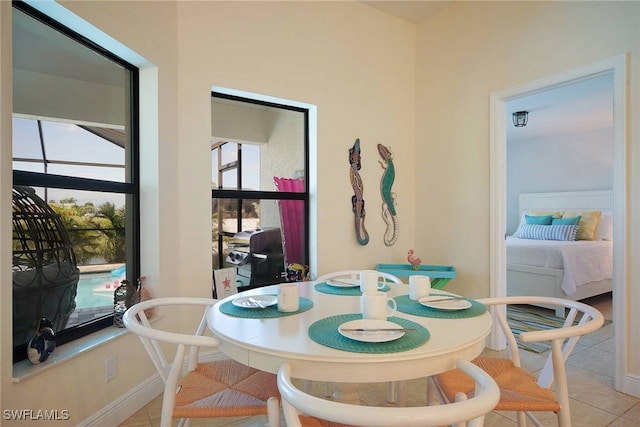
[(594, 403)]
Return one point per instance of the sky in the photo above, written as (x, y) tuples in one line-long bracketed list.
[(250, 166), (68, 142)]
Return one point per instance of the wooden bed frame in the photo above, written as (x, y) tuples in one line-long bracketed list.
[(529, 280)]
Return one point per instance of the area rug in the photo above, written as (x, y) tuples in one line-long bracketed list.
[(522, 318)]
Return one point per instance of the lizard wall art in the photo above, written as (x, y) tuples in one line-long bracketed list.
[(389, 214), (357, 200)]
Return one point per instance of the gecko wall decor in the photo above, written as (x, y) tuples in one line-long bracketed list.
[(357, 200), (389, 214)]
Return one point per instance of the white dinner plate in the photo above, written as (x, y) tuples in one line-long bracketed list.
[(343, 283), (370, 336), (265, 300), (436, 301)]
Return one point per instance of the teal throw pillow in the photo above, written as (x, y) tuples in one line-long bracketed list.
[(566, 221), (540, 220)]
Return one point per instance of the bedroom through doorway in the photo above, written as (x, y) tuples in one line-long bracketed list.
[(560, 163), (553, 137)]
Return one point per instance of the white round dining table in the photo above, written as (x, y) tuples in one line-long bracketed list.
[(266, 343)]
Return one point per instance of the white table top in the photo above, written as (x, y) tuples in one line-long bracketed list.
[(267, 343)]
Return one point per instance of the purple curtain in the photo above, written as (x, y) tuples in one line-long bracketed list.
[(292, 220)]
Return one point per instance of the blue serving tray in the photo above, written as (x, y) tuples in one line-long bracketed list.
[(439, 274)]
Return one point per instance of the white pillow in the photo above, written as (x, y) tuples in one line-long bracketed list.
[(604, 231), (605, 226)]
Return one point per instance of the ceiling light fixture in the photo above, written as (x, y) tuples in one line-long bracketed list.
[(520, 118)]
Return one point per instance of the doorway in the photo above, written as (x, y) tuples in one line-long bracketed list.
[(498, 140)]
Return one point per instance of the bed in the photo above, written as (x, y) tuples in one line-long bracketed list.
[(572, 269)]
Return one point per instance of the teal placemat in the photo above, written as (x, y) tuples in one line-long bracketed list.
[(336, 290), (325, 332), (409, 306), (263, 313)]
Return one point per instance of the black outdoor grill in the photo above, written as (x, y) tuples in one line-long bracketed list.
[(258, 257)]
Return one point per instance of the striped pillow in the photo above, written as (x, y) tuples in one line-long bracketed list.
[(548, 232)]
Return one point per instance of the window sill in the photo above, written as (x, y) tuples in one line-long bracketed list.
[(24, 369)]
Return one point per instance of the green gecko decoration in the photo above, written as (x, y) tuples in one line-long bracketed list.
[(389, 214), (357, 200)]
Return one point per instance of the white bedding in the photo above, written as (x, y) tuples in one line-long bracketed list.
[(582, 261)]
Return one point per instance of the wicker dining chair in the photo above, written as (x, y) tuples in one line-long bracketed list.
[(520, 391), (395, 389), (193, 389), (302, 409)]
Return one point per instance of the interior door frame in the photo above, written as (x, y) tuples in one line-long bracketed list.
[(498, 180)]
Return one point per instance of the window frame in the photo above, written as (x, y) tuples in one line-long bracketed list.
[(131, 188), (240, 195)]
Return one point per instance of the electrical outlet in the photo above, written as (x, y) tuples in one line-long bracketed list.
[(110, 368)]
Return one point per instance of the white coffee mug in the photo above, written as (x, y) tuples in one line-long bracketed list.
[(369, 281), (288, 297), (376, 305), (419, 286)]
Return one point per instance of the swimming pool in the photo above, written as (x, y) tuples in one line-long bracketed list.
[(96, 289)]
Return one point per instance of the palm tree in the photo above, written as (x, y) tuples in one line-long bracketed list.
[(115, 249)]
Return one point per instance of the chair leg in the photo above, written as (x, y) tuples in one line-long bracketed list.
[(562, 389), (307, 388), (476, 422), (434, 396), (166, 418), (460, 397), (273, 412), (564, 418), (346, 392), (522, 419), (327, 389), (391, 392), (395, 393), (534, 420), (402, 396)]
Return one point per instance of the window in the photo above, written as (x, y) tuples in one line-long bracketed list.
[(260, 190), (75, 163)]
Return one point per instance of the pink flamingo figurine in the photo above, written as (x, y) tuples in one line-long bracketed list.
[(413, 260)]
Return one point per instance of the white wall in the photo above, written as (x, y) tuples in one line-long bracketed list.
[(236, 122), (353, 62), (335, 55), (45, 95), (574, 162), (371, 78), (465, 53), (149, 29), (280, 157)]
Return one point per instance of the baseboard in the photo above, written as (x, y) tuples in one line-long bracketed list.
[(126, 405), (632, 385), (135, 399)]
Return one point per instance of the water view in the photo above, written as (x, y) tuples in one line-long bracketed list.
[(94, 297)]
